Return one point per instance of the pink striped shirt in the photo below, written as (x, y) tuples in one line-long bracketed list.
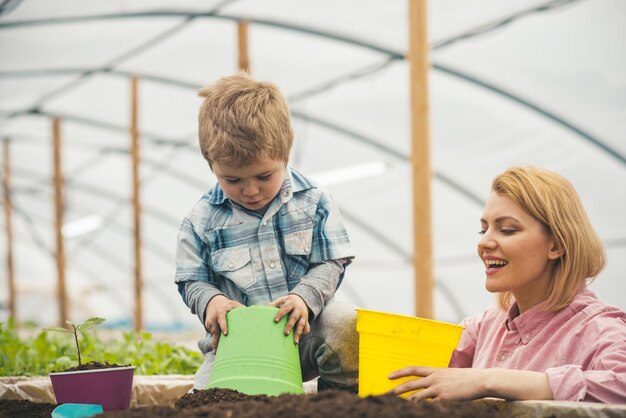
[(582, 348)]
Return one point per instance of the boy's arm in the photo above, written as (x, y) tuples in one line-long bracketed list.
[(197, 296), (193, 274), (331, 253), (319, 284)]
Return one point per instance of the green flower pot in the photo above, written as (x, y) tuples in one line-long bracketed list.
[(256, 357)]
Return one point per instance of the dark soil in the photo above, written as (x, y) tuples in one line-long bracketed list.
[(211, 396), (92, 365), (224, 403), (10, 408)]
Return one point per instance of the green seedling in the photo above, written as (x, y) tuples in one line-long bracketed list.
[(80, 328)]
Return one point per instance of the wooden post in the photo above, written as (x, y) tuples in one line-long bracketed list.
[(134, 153), (6, 188), (59, 207), (420, 159), (242, 38)]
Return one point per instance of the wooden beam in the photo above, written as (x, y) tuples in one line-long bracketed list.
[(134, 152), (420, 158), (59, 207), (6, 188), (242, 42)]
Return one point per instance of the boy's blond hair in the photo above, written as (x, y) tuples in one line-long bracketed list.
[(243, 120), (552, 200)]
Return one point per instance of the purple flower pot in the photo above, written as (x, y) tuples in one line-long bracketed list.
[(111, 388)]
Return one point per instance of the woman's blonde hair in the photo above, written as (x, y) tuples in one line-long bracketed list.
[(552, 200), (242, 120)]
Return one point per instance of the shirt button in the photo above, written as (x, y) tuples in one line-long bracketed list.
[(306, 249), (231, 265), (286, 193), (272, 265)]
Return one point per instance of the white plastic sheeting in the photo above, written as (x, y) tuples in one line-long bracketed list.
[(536, 82)]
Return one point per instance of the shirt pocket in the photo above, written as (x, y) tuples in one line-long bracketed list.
[(299, 242), (298, 249), (234, 264)]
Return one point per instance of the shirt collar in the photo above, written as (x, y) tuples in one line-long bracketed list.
[(529, 323), (217, 195)]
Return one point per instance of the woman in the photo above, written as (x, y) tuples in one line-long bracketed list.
[(550, 337)]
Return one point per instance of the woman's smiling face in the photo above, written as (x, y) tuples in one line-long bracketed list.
[(517, 251)]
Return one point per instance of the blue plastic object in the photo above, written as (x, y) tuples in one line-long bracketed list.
[(76, 410)]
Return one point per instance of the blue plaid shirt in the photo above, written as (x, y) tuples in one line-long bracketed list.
[(255, 258)]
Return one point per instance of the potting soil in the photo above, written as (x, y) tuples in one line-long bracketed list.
[(92, 365), (218, 403), (20, 408)]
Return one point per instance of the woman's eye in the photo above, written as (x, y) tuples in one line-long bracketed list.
[(482, 232), (508, 231)]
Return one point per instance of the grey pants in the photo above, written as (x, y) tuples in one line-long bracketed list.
[(330, 350)]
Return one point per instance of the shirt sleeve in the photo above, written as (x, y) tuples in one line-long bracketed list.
[(330, 238), (197, 296), (605, 379), (194, 278), (463, 355), (319, 284)]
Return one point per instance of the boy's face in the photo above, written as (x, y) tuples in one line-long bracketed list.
[(252, 186)]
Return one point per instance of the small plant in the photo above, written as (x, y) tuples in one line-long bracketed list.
[(75, 329)]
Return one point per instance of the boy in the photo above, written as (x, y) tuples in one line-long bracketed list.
[(265, 235)]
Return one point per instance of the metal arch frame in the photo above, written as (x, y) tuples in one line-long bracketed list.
[(194, 15), (156, 139), (391, 54)]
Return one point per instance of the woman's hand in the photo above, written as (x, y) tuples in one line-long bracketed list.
[(441, 383), (215, 317), (464, 384), (298, 312)]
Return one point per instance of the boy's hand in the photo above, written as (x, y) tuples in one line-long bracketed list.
[(215, 316), (298, 312)]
